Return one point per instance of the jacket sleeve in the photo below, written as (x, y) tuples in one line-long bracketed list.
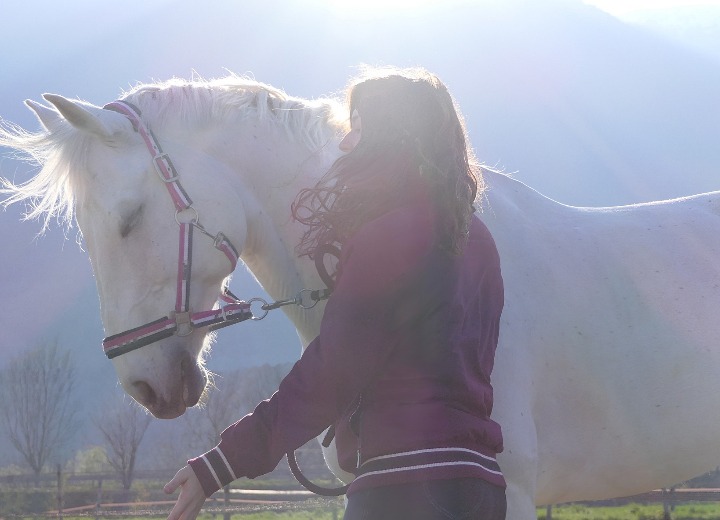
[(356, 337)]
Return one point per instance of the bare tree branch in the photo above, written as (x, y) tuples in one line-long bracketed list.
[(37, 410), (123, 427)]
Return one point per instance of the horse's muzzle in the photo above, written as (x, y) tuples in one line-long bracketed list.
[(183, 392)]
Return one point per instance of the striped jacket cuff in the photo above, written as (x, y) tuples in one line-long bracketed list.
[(212, 470)]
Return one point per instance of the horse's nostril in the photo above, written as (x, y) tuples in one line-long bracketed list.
[(186, 363), (143, 393)]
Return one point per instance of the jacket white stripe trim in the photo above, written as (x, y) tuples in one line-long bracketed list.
[(426, 466), (429, 450), (212, 471), (227, 464)]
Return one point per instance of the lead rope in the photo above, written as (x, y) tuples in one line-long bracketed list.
[(309, 485), (329, 280)]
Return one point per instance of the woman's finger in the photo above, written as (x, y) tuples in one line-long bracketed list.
[(177, 481)]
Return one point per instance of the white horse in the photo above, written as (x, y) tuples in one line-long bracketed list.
[(610, 342)]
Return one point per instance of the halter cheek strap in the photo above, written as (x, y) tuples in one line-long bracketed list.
[(181, 321)]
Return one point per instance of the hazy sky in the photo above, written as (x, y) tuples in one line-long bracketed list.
[(372, 8), (620, 7)]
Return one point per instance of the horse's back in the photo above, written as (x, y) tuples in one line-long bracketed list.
[(611, 312)]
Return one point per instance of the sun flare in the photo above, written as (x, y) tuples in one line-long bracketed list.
[(383, 8)]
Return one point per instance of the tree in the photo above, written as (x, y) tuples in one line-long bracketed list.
[(37, 404), (123, 427), (92, 459), (261, 382)]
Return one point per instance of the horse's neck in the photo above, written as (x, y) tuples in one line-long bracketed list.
[(272, 260), (269, 176)]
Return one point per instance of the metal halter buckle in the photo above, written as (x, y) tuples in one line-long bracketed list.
[(183, 320), (166, 159)]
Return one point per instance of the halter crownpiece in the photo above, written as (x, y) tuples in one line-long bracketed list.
[(181, 321)]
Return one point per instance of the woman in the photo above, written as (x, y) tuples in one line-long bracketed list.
[(401, 367)]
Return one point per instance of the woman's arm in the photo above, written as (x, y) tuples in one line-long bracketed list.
[(355, 340)]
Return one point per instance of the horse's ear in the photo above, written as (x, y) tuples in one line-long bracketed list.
[(79, 115), (47, 116)]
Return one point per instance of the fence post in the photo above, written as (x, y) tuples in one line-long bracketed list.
[(99, 500), (667, 503), (59, 491), (226, 505), (548, 512)]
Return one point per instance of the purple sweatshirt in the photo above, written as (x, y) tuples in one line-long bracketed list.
[(401, 366)]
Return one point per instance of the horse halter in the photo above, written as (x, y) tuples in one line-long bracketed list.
[(181, 321)]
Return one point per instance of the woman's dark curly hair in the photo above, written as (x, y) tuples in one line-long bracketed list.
[(413, 142)]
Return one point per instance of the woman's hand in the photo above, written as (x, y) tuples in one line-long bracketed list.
[(191, 498)]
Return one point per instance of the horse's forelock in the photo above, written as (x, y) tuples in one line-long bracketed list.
[(52, 191)]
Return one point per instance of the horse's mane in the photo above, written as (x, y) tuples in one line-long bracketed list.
[(199, 102), (52, 192)]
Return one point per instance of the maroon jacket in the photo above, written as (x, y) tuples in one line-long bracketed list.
[(401, 366)]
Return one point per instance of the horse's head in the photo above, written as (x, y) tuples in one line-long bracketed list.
[(242, 151), (130, 224)]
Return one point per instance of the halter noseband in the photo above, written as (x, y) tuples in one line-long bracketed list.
[(181, 321)]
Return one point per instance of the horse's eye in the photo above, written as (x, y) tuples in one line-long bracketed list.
[(131, 221)]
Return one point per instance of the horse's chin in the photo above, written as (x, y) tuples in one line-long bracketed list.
[(167, 412)]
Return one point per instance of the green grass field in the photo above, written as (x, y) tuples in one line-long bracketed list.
[(698, 511), (693, 511)]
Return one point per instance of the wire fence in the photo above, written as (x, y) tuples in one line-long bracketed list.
[(332, 507), (227, 503), (100, 494)]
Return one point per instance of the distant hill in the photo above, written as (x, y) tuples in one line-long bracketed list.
[(587, 109), (696, 27)]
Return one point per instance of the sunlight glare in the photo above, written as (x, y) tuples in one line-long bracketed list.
[(383, 8)]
